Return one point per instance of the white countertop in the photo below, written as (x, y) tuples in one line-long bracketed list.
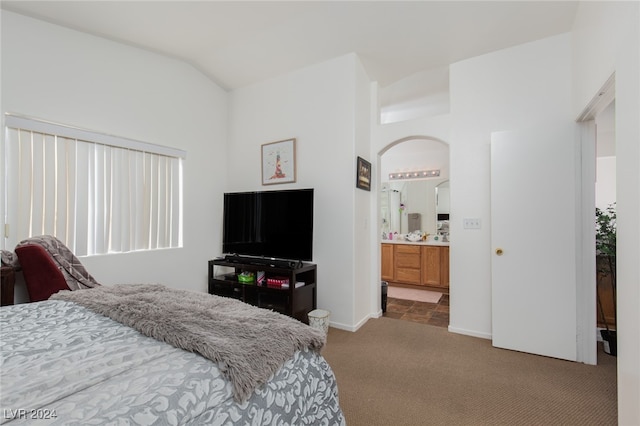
[(417, 243)]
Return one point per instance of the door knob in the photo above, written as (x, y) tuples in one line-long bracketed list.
[(499, 251)]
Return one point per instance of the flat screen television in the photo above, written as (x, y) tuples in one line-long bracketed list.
[(270, 224)]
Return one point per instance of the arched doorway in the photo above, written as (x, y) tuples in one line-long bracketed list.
[(408, 205)]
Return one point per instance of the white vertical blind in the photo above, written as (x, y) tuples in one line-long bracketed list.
[(97, 198)]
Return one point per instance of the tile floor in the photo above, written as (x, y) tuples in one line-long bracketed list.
[(426, 313)]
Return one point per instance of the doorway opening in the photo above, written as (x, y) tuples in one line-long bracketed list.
[(597, 122), (413, 210)]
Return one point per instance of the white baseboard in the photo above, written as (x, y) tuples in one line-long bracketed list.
[(470, 333), (340, 326), (355, 328)]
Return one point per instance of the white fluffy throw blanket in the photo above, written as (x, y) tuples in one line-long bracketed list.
[(248, 343)]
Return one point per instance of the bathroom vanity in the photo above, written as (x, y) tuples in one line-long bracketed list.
[(424, 264)]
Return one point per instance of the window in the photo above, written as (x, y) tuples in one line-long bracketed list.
[(95, 192)]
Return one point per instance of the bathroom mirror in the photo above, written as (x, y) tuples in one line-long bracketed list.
[(442, 209), (416, 196), (389, 209), (442, 198), (413, 204)]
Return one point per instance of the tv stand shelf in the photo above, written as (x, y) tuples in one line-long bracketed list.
[(294, 301)]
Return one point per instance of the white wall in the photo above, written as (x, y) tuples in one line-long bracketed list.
[(605, 182), (606, 39), (416, 154), (68, 77), (423, 94), (364, 293), (315, 105), (436, 127), (505, 90)]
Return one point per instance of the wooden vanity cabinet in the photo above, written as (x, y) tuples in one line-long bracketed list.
[(435, 266), (407, 264), (444, 267), (414, 264), (431, 266), (386, 262)]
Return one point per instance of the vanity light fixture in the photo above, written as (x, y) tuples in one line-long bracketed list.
[(419, 174)]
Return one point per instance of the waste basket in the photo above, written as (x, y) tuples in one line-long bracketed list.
[(319, 319), (384, 286)]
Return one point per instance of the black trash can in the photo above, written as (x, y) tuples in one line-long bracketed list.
[(610, 342), (384, 286)]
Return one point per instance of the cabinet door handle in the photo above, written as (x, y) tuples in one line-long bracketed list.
[(499, 251)]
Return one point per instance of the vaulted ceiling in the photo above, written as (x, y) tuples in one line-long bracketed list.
[(238, 43)]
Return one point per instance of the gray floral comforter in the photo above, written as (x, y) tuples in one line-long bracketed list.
[(63, 364)]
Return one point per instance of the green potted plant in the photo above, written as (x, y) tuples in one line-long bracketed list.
[(606, 270)]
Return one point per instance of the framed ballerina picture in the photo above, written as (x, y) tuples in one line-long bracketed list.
[(279, 162)]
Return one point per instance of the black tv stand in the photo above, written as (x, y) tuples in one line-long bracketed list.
[(266, 261), (295, 301)]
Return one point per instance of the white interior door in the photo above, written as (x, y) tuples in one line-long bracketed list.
[(533, 233)]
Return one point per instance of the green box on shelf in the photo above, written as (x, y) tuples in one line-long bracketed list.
[(246, 278)]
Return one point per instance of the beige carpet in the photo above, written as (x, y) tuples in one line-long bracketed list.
[(413, 294), (393, 372)]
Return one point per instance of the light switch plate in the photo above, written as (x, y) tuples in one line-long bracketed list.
[(471, 223)]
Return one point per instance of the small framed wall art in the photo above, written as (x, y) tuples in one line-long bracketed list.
[(363, 174), (279, 162)]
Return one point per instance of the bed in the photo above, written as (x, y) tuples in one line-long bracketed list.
[(79, 358)]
